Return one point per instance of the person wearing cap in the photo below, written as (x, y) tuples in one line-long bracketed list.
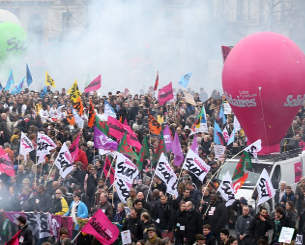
[(25, 236), (153, 239)]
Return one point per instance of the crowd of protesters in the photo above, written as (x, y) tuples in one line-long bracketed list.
[(196, 216)]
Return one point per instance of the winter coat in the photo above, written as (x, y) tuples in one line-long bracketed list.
[(242, 224), (162, 214), (25, 236), (134, 226), (60, 206), (82, 212), (193, 224), (217, 217), (259, 228)]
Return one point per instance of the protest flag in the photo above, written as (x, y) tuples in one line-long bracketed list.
[(108, 110), (144, 153), (29, 78), (101, 141), (167, 138), (154, 126), (91, 118), (102, 125), (49, 80), (43, 92), (226, 190), (78, 106), (218, 140), (159, 150), (19, 87), (264, 187), (240, 182), (44, 145), (176, 149), (74, 148), (107, 168), (64, 161), (254, 148), (10, 81), (221, 116), (225, 51), (184, 81), (1, 87), (14, 240), (26, 145), (6, 166), (194, 145), (200, 124), (243, 165), (74, 92), (156, 82), (94, 85), (101, 228), (165, 94), (125, 148), (231, 138)]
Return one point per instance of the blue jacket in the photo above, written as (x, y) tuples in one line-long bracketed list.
[(82, 212)]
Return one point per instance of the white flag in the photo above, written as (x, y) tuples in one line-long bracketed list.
[(64, 161), (108, 110), (167, 175), (44, 145), (226, 190), (26, 145), (78, 119), (264, 188), (254, 148), (194, 164), (125, 169), (122, 188), (236, 124)]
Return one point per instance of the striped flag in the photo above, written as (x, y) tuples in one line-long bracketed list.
[(94, 85)]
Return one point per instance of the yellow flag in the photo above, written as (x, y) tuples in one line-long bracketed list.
[(49, 80), (74, 92)]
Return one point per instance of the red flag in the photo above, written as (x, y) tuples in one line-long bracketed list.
[(156, 82), (239, 183), (165, 94), (94, 85), (107, 167), (225, 51), (153, 125), (14, 240), (74, 148), (101, 228)]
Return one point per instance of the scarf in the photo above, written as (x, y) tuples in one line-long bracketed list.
[(74, 211)]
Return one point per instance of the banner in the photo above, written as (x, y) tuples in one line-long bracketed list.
[(167, 175), (165, 94), (94, 85), (44, 145), (194, 164), (101, 141), (43, 224), (63, 161), (26, 145), (219, 151), (122, 188), (125, 168), (101, 228), (226, 190), (297, 172), (264, 188)]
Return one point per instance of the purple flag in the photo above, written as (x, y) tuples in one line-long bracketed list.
[(176, 149), (101, 141), (167, 138), (194, 146)]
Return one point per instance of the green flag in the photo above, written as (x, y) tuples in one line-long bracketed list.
[(101, 125), (159, 150), (243, 164), (144, 153), (125, 148)]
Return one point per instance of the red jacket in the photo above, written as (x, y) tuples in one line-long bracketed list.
[(82, 157)]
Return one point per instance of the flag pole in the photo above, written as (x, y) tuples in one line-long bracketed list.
[(152, 179), (109, 170), (45, 184), (77, 235)]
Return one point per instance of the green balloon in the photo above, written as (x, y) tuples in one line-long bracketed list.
[(12, 40)]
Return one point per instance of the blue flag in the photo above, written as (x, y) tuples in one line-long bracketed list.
[(44, 92), (18, 88), (10, 81), (29, 78), (221, 115), (217, 134), (184, 81)]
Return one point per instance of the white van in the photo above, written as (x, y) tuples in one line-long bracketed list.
[(281, 167)]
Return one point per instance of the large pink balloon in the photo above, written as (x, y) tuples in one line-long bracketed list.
[(263, 79)]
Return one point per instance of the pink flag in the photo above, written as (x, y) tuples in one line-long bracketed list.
[(165, 94), (101, 228), (6, 164), (94, 85), (297, 171), (194, 146), (176, 149), (74, 148), (118, 129), (168, 140)]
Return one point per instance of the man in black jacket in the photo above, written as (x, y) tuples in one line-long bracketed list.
[(25, 236), (132, 223), (260, 226), (193, 223)]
